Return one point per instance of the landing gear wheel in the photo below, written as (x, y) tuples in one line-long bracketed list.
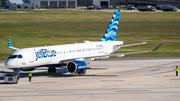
[(84, 72), (49, 70), (54, 69), (16, 71)]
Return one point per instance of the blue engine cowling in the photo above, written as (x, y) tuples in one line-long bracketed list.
[(76, 66)]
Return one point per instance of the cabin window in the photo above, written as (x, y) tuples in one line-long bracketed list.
[(14, 56), (20, 56)]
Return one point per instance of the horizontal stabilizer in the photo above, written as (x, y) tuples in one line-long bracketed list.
[(136, 52), (132, 44)]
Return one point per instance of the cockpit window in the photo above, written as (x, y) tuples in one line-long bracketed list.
[(15, 56), (9, 56), (20, 56)]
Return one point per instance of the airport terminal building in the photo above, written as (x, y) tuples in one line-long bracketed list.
[(40, 4), (93, 2), (108, 3), (155, 2), (43, 4), (53, 4)]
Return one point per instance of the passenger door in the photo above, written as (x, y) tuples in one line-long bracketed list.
[(31, 56)]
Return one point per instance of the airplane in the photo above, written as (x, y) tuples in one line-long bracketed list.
[(75, 57)]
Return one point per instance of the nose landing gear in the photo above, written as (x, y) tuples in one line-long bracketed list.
[(18, 73)]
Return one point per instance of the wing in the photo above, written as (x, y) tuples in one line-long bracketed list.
[(95, 57)]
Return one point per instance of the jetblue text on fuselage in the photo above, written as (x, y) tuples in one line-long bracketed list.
[(44, 53)]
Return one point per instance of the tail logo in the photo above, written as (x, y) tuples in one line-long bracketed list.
[(110, 34), (111, 31)]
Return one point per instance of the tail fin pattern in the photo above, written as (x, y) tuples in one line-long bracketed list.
[(10, 45), (111, 31)]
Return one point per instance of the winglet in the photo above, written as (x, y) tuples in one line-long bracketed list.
[(157, 47), (10, 45)]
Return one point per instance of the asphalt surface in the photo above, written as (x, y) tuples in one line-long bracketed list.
[(114, 79)]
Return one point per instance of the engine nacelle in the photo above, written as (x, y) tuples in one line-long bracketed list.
[(76, 66)]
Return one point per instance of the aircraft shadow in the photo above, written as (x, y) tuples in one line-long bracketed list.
[(60, 72)]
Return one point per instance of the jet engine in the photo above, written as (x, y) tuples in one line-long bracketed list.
[(77, 66)]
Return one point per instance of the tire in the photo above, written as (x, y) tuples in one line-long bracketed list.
[(84, 72), (49, 70), (54, 70)]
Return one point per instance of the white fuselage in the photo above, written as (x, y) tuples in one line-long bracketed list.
[(46, 55)]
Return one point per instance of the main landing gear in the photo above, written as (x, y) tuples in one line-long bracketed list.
[(52, 70), (84, 72)]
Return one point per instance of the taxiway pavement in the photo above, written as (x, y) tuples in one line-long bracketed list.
[(128, 79)]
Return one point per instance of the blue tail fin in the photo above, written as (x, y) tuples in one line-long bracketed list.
[(111, 31)]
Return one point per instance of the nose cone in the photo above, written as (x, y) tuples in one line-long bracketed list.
[(10, 63)]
